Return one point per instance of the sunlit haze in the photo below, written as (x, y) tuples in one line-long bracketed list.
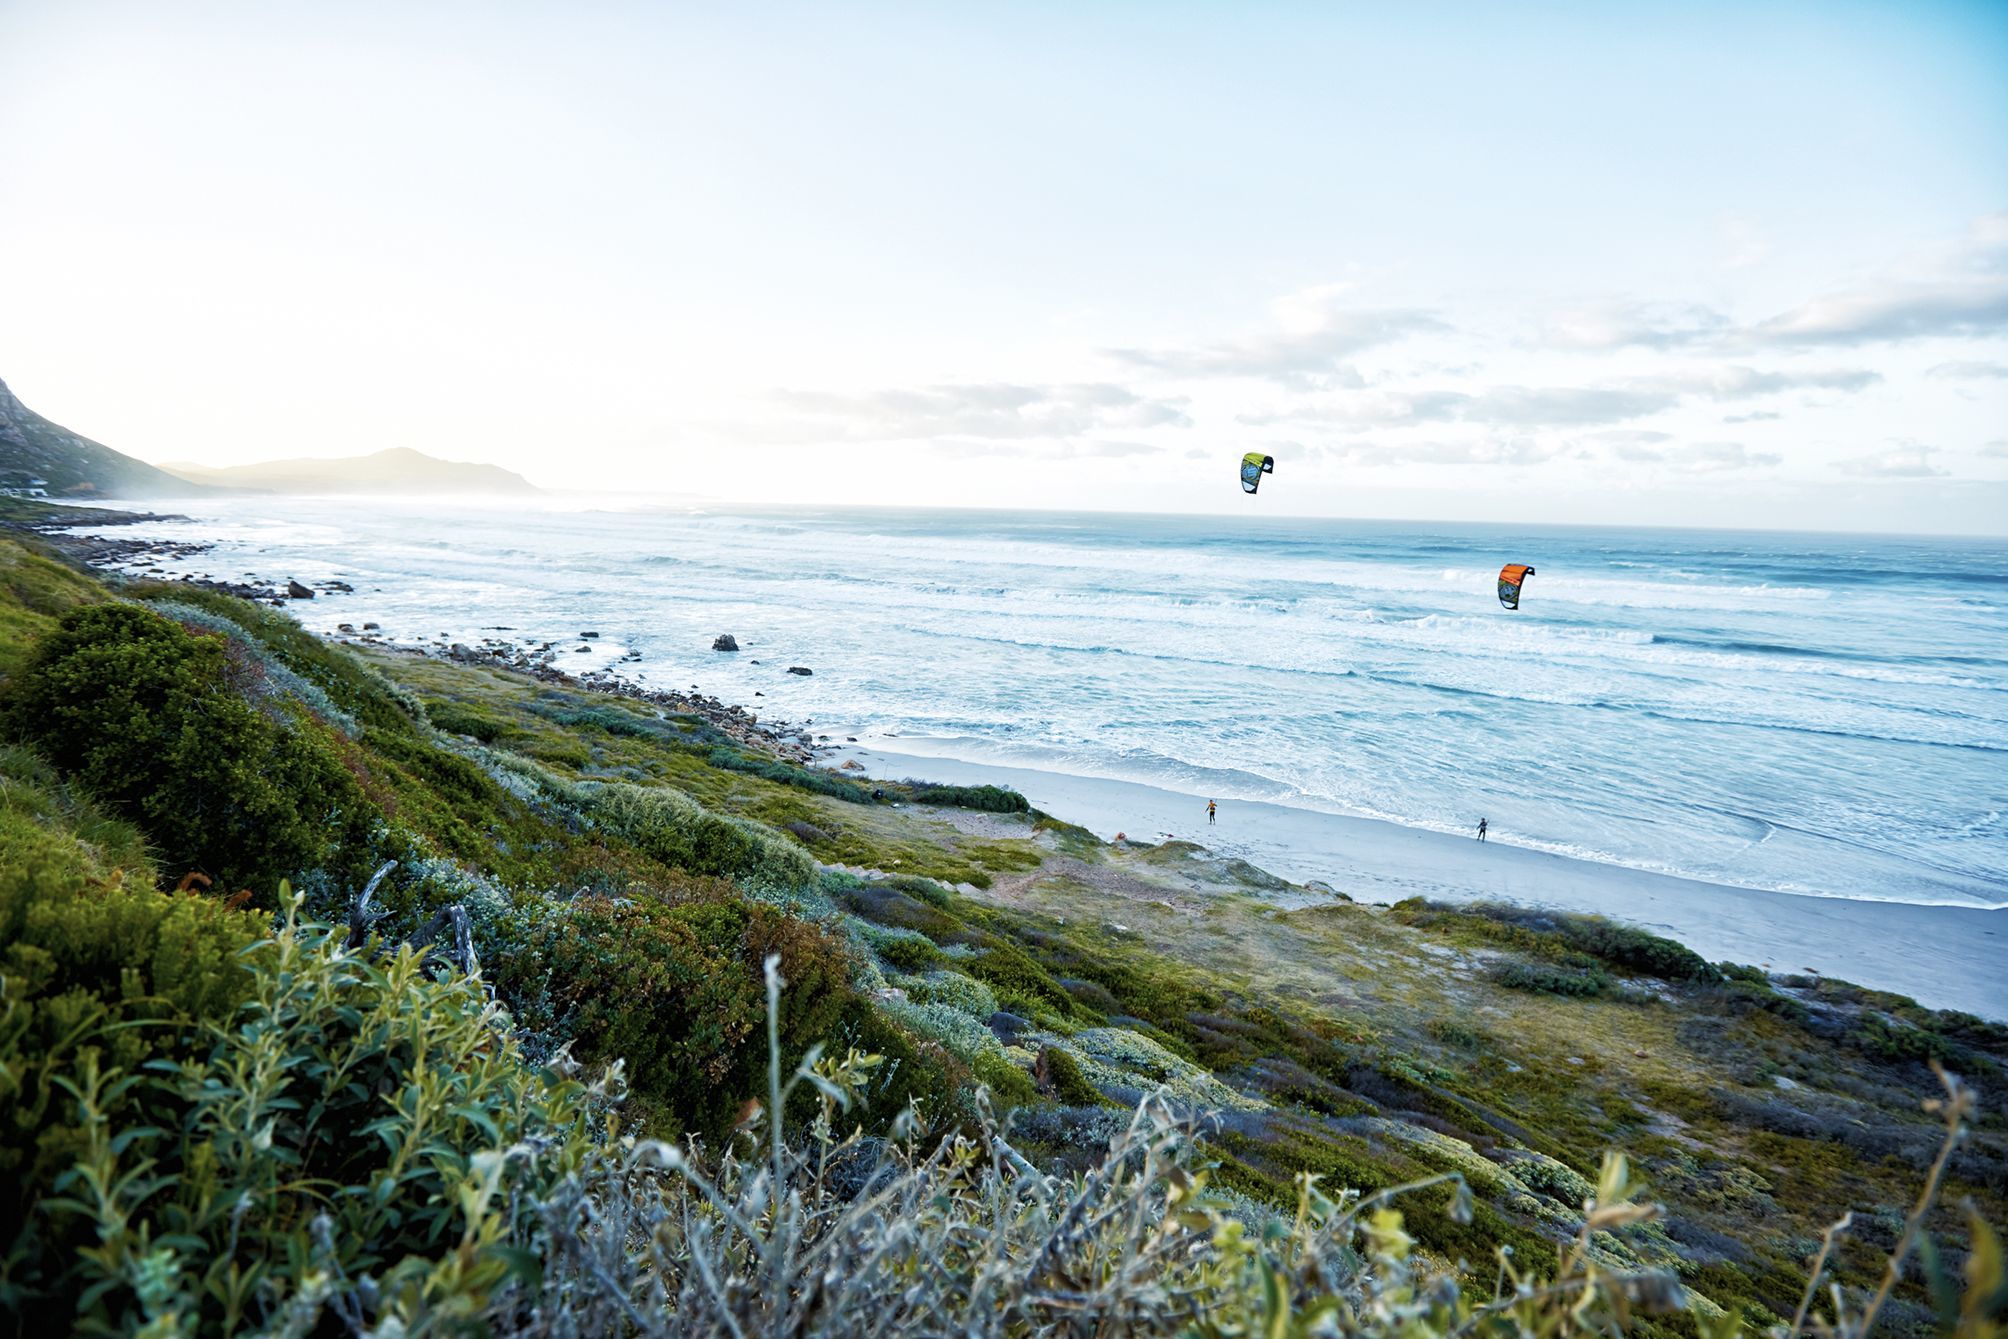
[(1684, 264)]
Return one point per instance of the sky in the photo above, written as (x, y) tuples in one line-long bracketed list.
[(1682, 264)]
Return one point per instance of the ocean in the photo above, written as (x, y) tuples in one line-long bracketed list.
[(1806, 713)]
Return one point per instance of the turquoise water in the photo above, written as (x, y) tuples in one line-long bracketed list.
[(1812, 713)]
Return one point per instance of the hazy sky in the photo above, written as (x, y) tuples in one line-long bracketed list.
[(1683, 263)]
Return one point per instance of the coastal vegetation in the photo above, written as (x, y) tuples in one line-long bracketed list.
[(359, 990)]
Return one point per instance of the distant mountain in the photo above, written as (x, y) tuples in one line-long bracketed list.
[(397, 470), (40, 457)]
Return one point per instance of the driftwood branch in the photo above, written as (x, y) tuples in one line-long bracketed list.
[(447, 937), (449, 924), (360, 915)]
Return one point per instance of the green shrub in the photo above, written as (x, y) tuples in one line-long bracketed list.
[(94, 962), (358, 690), (1544, 980), (673, 828), (258, 673), (456, 719), (1022, 985), (1063, 1074), (1009, 1085), (144, 716), (908, 953), (1897, 1042), (611, 720), (1452, 1033), (1633, 950), (338, 1142), (991, 799), (1582, 942), (812, 779), (674, 991), (927, 890)]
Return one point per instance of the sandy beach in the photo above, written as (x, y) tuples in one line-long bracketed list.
[(1944, 957)]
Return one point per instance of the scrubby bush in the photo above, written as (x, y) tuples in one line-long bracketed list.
[(207, 1127), (1893, 1041), (672, 990), (1577, 941), (955, 990), (675, 829), (907, 952), (812, 779), (1545, 980), (613, 721), (260, 674), (927, 890), (1633, 950), (94, 960), (990, 799), (144, 716), (1063, 1074), (354, 687), (458, 719)]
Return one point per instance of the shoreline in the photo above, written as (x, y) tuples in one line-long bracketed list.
[(1944, 957)]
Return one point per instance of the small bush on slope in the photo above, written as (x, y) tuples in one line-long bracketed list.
[(353, 1134), (1577, 941), (355, 688), (674, 991), (94, 962), (673, 828), (143, 715)]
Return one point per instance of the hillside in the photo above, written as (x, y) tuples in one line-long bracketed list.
[(396, 470), (38, 454), (386, 1100)]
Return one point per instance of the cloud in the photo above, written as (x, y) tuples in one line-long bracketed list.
[(1497, 451), (989, 410), (1745, 383), (1907, 460), (1998, 447), (1621, 323), (1635, 435), (1561, 406), (1503, 406), (975, 448), (1717, 457), (1756, 416), (1968, 371), (1895, 311), (1963, 292), (1319, 331), (1688, 457), (1112, 450), (1959, 290)]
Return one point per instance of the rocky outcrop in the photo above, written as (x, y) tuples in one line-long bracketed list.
[(294, 590), (725, 641), (802, 670)]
